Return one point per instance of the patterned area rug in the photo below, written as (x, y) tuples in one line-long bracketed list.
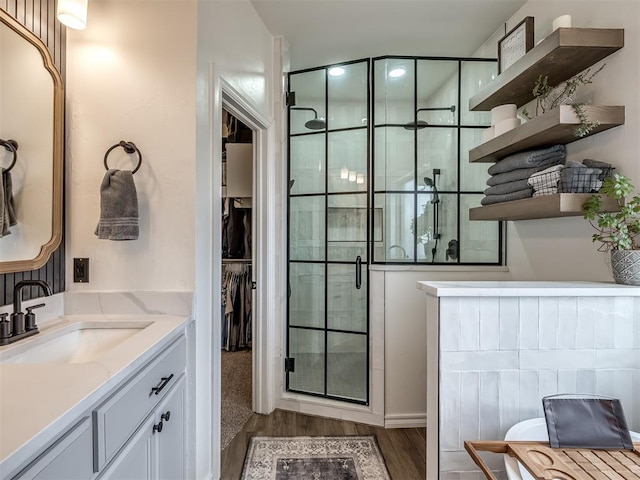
[(314, 458)]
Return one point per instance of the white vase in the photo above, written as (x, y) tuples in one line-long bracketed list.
[(625, 266)]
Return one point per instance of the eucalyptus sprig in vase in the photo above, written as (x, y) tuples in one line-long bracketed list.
[(618, 232)]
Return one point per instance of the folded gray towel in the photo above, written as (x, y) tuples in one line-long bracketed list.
[(507, 187), (7, 207), (507, 197), (543, 157), (513, 175), (118, 207)]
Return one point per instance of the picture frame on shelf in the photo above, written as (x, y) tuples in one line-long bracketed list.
[(518, 41)]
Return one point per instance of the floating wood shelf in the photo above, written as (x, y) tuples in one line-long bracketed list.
[(547, 206), (564, 53), (554, 127)]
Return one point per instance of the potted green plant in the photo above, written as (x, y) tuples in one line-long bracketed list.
[(618, 232)]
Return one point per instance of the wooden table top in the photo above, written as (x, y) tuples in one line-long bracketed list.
[(546, 463)]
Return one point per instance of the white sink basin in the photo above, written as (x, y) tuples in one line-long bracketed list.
[(78, 343)]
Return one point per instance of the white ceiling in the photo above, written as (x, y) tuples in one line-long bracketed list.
[(322, 32)]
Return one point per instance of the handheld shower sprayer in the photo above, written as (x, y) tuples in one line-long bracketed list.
[(435, 201)]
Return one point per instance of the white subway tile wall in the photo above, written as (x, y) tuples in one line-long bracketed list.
[(500, 356)]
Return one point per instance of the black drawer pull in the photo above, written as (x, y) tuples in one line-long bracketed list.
[(157, 428), (163, 383), (166, 416)]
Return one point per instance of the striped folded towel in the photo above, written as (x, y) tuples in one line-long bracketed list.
[(545, 182)]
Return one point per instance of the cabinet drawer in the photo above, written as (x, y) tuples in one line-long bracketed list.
[(120, 416), (69, 458)]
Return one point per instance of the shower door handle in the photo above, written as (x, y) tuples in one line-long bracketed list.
[(358, 272)]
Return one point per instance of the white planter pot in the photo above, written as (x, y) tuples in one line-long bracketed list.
[(625, 266)]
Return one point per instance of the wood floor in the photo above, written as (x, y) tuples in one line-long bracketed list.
[(403, 448)]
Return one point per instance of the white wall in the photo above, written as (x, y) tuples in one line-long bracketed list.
[(131, 76), (405, 333), (235, 52), (561, 249), (141, 72)]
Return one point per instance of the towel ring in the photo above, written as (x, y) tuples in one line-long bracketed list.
[(128, 147), (12, 146)]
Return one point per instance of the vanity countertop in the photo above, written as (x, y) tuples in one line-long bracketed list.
[(526, 289), (39, 400)]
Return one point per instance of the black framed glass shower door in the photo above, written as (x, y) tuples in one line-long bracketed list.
[(328, 232)]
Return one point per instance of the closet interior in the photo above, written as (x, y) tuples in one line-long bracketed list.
[(237, 282)]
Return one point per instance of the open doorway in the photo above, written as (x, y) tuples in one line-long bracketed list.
[(237, 302)]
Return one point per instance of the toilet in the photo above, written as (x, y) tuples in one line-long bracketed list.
[(534, 429)]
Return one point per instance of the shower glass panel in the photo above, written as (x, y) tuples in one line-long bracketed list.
[(347, 365), (308, 348), (310, 100), (398, 231), (423, 183), (346, 305), (308, 163), (348, 160), (437, 102), (394, 149), (437, 158), (348, 96), (307, 239), (347, 227), (306, 300), (329, 225)]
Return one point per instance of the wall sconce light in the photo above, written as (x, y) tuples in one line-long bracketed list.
[(344, 173), (352, 176), (73, 13), (360, 178)]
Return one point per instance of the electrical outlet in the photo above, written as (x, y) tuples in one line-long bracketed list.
[(81, 270)]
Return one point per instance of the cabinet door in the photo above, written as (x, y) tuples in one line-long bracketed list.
[(135, 460), (69, 458), (170, 450)]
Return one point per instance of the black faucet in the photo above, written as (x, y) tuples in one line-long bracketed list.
[(16, 328)]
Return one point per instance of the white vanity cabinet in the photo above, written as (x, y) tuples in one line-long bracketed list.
[(69, 458), (156, 451), (135, 430)]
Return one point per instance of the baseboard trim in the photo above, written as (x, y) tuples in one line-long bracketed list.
[(405, 420)]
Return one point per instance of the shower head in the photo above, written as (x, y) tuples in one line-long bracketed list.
[(315, 123), (420, 124), (432, 185)]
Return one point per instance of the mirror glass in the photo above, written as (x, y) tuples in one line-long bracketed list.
[(30, 115)]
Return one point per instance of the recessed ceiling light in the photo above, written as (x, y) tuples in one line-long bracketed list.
[(397, 72), (336, 71)]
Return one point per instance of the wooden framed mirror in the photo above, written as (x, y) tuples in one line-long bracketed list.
[(32, 115)]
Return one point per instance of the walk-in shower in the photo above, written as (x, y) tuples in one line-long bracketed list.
[(380, 174)]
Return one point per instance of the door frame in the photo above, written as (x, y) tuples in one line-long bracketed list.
[(206, 359)]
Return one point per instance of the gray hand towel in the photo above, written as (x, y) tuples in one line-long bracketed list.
[(529, 159), (507, 197), (507, 187), (512, 176), (118, 207), (7, 208)]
